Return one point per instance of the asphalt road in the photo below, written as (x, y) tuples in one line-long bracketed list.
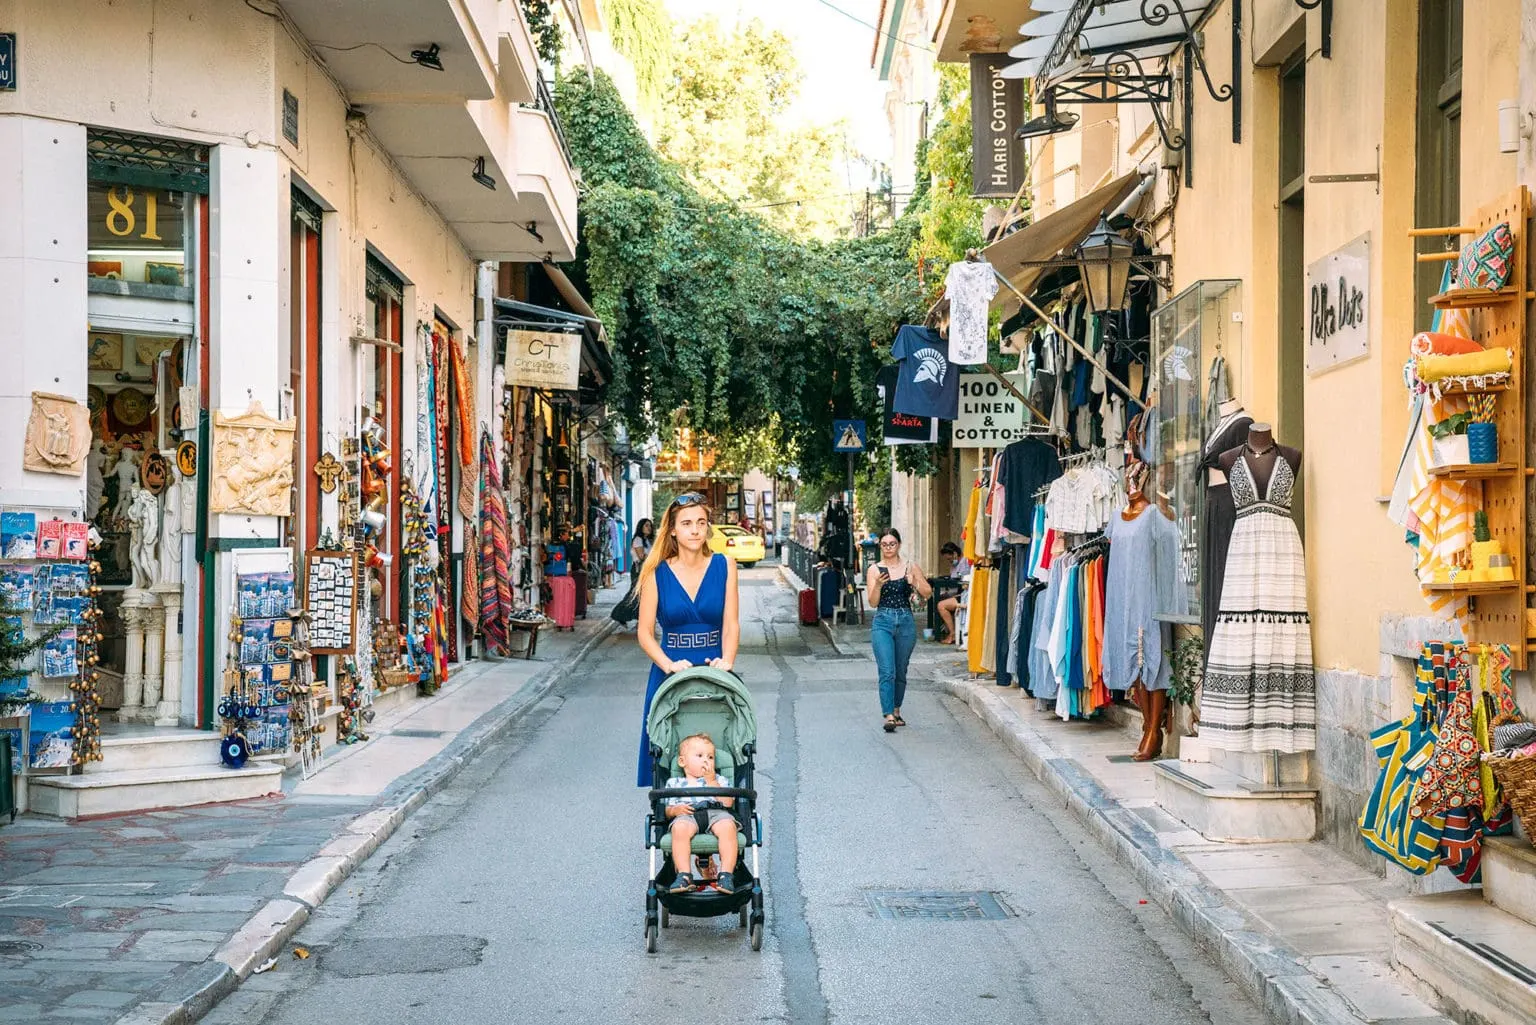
[(517, 894)]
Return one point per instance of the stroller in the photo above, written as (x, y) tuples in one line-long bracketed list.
[(712, 701)]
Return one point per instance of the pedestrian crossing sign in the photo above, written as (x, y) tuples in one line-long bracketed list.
[(849, 436)]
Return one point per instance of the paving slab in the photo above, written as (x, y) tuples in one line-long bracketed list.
[(150, 918)]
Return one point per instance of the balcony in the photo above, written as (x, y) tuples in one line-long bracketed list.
[(349, 35), (517, 58)]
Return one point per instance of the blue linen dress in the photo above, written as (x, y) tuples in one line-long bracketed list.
[(1142, 581), (690, 629)]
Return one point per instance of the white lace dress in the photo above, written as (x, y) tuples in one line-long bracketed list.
[(1259, 692)]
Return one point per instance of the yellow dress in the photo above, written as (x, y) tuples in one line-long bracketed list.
[(975, 641)]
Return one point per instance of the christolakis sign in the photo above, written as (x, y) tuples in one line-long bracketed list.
[(997, 110), (543, 359)]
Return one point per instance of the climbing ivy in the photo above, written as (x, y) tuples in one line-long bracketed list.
[(717, 319), (544, 29)]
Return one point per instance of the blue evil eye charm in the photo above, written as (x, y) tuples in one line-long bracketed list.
[(234, 750)]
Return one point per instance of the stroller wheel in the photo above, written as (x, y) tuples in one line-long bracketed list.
[(741, 916), (666, 918), (755, 936), (650, 939)]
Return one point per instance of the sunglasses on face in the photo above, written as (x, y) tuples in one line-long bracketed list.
[(684, 501)]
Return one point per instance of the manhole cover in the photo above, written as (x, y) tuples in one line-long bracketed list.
[(18, 948), (940, 905), (424, 734), (388, 955)]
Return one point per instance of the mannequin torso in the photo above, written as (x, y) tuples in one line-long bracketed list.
[(1261, 450)]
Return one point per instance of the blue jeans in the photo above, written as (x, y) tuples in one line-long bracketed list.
[(893, 635)]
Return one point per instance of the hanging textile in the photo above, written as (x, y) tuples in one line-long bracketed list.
[(976, 615), (1402, 749), (469, 599), (495, 578), (464, 395), (423, 467)]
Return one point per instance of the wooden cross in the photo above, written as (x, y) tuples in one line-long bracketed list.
[(329, 471)]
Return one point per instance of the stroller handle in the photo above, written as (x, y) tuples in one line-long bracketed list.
[(661, 793)]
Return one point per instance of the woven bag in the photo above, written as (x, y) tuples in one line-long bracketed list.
[(1517, 779)]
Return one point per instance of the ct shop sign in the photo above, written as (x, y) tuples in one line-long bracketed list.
[(990, 416), (543, 359)]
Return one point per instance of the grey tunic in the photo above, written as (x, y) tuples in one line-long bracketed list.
[(1142, 580)]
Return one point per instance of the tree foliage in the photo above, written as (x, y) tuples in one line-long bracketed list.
[(717, 315), (949, 216), (642, 32), (724, 123)]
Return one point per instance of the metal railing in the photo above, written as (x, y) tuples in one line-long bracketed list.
[(545, 100), (801, 560)]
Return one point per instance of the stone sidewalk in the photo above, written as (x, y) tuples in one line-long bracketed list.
[(1304, 929), (152, 917)]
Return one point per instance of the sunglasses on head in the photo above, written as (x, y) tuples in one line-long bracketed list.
[(691, 498)]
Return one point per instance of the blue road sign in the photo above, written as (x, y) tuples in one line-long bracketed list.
[(849, 436), (7, 60)]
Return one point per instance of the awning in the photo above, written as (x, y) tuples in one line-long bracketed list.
[(1026, 255), (596, 361), (1090, 35)]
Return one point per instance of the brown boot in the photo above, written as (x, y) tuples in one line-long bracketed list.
[(1152, 738)]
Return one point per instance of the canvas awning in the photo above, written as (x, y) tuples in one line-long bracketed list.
[(1025, 256)]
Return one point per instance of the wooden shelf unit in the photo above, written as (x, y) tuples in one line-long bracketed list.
[(1496, 610)]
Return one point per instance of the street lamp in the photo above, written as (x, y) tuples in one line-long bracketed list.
[(1104, 261)]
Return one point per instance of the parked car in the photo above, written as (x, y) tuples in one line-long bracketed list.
[(746, 548)]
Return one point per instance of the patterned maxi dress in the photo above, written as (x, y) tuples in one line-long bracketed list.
[(1259, 692), (690, 630)]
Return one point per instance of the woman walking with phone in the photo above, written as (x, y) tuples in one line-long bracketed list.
[(890, 584)]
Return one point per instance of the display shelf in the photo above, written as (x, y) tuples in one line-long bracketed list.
[(1464, 389), (1471, 298), (1480, 587), (1473, 471)]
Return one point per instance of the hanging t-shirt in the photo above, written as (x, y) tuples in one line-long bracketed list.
[(1027, 466), (928, 385), (901, 428), (970, 288)]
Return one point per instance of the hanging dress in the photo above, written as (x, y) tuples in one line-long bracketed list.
[(1220, 516), (690, 630), (1259, 693)]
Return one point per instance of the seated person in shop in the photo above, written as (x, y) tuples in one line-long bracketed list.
[(959, 569), (696, 754)]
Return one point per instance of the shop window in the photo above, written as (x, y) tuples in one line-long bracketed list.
[(1190, 333), (381, 396), (304, 364), (141, 207)]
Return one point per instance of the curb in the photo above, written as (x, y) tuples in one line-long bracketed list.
[(790, 579), (1270, 971), (265, 933)]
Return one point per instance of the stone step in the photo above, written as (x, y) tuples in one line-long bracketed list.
[(1509, 876), (1221, 805), (112, 793), (1477, 963), (170, 749)]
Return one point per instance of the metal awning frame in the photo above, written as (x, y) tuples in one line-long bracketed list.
[(1123, 76)]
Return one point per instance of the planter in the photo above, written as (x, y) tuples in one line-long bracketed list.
[(1482, 443), (1451, 451)]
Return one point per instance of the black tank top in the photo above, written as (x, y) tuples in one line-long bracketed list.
[(895, 593)]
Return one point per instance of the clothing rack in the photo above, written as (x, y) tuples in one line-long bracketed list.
[(1096, 541)]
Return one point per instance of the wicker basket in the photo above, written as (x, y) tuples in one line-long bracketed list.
[(391, 678), (1517, 777)]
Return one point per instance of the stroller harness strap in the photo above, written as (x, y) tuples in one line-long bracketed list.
[(699, 639)]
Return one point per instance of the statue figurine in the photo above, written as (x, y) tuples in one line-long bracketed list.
[(170, 534), (144, 527), (95, 481), (127, 474)]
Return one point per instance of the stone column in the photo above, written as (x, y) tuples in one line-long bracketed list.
[(168, 711), (132, 612), (154, 659)]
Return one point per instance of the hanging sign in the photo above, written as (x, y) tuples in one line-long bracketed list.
[(543, 359), (1338, 307), (7, 61), (849, 436), (997, 111), (990, 415)]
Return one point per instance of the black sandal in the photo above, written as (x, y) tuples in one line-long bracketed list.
[(899, 720), (890, 724)]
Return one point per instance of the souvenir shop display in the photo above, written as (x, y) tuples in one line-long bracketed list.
[(352, 701), (424, 619), (306, 699), (259, 672), (1454, 770), (330, 598), (1259, 693)]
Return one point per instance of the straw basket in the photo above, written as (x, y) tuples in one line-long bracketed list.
[(1517, 777)]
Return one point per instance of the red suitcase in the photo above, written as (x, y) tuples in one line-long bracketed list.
[(562, 609), (809, 614)]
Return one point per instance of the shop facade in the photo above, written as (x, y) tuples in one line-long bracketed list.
[(258, 307)]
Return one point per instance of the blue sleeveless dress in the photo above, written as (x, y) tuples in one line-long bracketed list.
[(690, 629)]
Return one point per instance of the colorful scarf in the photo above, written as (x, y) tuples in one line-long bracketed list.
[(495, 575)]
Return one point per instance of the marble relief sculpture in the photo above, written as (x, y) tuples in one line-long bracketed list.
[(58, 435), (252, 464)]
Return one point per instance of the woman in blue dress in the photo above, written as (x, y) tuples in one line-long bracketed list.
[(690, 592)]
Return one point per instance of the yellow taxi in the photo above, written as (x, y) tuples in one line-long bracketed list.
[(743, 546)]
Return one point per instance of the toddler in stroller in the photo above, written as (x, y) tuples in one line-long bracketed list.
[(699, 712)]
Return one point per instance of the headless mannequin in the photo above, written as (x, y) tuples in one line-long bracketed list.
[(1226, 408), (1261, 450)]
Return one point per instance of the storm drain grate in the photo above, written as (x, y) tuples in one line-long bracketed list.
[(938, 905), (423, 734), (18, 948)]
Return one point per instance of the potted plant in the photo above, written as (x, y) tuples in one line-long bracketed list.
[(1449, 440), (1483, 547), (1482, 432)]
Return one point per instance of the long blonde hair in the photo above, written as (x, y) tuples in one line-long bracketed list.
[(666, 545)]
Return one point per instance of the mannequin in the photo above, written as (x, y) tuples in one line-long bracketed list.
[(1261, 450), (1136, 645), (1216, 526), (1259, 691)]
